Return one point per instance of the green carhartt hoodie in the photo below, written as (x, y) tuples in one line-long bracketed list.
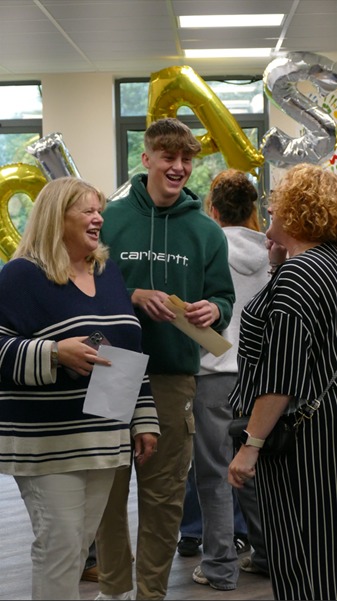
[(178, 250)]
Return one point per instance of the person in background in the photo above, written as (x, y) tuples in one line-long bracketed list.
[(90, 567), (164, 244), (232, 204), (59, 287), (287, 360), (191, 523)]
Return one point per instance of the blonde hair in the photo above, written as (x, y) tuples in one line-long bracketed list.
[(172, 135), (42, 240), (306, 202), (234, 196)]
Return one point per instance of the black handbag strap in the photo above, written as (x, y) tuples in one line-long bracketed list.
[(327, 388), (310, 407)]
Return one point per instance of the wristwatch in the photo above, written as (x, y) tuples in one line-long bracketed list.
[(250, 441)]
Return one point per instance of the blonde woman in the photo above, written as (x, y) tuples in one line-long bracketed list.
[(59, 288)]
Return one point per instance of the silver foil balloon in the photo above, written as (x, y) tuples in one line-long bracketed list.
[(280, 78), (121, 192), (54, 157)]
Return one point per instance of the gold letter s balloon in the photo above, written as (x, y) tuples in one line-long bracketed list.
[(280, 79), (177, 86), (15, 178)]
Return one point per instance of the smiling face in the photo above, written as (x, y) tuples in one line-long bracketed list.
[(168, 173), (82, 225)]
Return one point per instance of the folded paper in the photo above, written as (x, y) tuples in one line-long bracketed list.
[(207, 337)]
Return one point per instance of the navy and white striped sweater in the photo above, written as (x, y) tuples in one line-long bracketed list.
[(42, 427)]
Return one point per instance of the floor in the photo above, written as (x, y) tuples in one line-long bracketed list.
[(15, 567)]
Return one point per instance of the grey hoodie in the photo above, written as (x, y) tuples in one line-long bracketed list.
[(249, 264)]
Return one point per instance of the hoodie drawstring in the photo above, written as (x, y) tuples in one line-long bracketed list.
[(165, 247), (151, 248)]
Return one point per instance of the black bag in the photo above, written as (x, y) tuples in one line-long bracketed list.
[(280, 440)]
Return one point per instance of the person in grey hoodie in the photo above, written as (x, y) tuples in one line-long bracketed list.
[(232, 204)]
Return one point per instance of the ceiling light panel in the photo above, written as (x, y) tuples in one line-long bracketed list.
[(203, 21), (227, 52)]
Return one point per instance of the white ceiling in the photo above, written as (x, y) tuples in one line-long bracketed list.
[(134, 38)]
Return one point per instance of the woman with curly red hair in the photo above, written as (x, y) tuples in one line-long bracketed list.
[(287, 359)]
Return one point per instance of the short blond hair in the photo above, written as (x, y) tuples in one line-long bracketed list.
[(172, 135), (42, 240), (306, 202)]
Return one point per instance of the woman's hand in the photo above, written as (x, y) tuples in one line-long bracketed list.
[(277, 253), (145, 446), (242, 467), (267, 409), (73, 353)]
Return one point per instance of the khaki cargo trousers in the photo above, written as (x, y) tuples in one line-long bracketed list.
[(161, 490)]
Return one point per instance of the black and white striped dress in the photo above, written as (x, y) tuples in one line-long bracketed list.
[(288, 345)]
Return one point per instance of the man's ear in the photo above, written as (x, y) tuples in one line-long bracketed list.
[(145, 160)]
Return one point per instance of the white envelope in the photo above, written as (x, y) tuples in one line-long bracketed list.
[(113, 390)]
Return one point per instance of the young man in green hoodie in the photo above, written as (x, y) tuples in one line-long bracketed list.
[(164, 244)]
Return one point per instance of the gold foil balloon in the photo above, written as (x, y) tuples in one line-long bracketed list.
[(174, 87), (16, 178)]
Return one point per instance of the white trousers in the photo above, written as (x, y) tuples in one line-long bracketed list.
[(65, 511)]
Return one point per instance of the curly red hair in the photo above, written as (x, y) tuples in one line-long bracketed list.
[(306, 202)]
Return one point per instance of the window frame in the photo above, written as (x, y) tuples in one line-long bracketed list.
[(21, 126), (124, 124)]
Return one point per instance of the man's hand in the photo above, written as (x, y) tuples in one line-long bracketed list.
[(152, 303), (202, 313)]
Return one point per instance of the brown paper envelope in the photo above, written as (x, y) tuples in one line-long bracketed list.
[(206, 337)]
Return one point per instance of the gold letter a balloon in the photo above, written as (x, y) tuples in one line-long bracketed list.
[(177, 86), (19, 177)]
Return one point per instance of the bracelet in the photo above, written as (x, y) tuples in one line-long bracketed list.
[(273, 268), (54, 354)]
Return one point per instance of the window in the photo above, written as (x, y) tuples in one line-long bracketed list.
[(20, 120), (20, 126), (244, 98)]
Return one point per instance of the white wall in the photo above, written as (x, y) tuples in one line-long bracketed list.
[(81, 108)]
